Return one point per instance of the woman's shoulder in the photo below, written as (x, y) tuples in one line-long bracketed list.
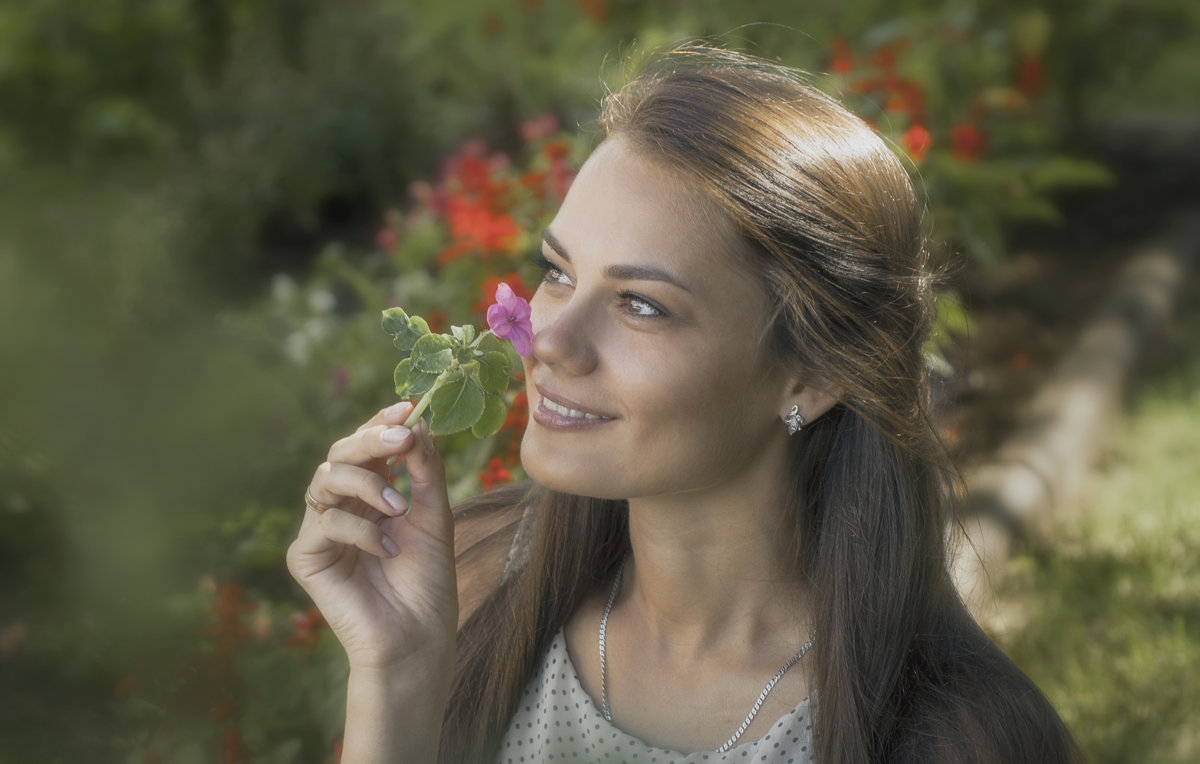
[(967, 701), (488, 543)]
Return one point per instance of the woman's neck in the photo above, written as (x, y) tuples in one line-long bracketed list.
[(714, 570)]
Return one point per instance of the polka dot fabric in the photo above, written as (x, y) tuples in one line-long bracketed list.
[(556, 721)]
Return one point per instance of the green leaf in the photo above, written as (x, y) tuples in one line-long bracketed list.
[(490, 343), (409, 382), (456, 406), (495, 411), (464, 334), (432, 354), (405, 330), (1068, 172), (493, 372)]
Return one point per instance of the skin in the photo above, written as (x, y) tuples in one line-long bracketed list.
[(692, 437), (688, 429)]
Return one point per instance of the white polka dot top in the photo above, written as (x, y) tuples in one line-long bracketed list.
[(557, 721)]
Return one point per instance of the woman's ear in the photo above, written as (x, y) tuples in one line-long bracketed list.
[(809, 399)]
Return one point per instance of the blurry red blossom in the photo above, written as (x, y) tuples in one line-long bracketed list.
[(843, 58), (495, 474), (596, 10), (477, 229), (228, 631), (538, 128), (306, 628), (518, 414), (340, 378), (1031, 76), (967, 142), (386, 239), (232, 747), (917, 142)]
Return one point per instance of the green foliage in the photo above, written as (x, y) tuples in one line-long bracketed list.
[(461, 377), (1114, 613), (156, 436)]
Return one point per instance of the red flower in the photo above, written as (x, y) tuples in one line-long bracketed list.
[(386, 239), (476, 228), (885, 56), (437, 320), (340, 377), (233, 749), (518, 413), (306, 628), (228, 631), (126, 686), (917, 142), (539, 128), (967, 142), (596, 10), (337, 754), (1031, 77), (905, 97), (843, 58), (495, 474)]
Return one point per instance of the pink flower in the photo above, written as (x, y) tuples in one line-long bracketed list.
[(508, 319)]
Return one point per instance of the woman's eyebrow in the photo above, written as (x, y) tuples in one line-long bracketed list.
[(619, 272)]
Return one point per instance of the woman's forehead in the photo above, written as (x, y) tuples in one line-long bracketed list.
[(630, 207)]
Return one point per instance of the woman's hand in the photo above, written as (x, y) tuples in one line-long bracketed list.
[(381, 568)]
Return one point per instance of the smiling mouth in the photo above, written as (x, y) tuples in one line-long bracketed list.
[(566, 411)]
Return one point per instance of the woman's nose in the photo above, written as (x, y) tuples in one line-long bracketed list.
[(563, 335)]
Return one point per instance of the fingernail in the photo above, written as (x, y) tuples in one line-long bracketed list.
[(395, 434), (394, 499), (389, 546), (395, 409), (427, 438)]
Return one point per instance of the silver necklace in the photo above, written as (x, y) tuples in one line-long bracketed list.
[(762, 696)]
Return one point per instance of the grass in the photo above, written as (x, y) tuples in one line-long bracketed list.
[(1112, 616)]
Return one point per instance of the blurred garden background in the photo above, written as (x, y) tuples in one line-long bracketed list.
[(205, 205)]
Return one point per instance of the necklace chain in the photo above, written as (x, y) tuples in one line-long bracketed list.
[(762, 696)]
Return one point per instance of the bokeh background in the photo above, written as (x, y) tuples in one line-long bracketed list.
[(204, 205)]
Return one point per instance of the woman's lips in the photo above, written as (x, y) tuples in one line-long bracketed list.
[(566, 415)]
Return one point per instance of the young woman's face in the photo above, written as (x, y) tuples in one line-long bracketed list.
[(647, 375)]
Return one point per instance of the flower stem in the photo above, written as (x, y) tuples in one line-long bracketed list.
[(423, 403)]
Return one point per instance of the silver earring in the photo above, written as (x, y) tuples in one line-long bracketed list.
[(794, 420)]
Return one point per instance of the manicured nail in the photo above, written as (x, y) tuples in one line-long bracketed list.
[(394, 499), (395, 409), (426, 438), (389, 546), (395, 434)]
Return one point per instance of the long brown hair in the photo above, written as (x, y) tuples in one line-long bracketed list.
[(834, 231)]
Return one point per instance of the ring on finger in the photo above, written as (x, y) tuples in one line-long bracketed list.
[(315, 505)]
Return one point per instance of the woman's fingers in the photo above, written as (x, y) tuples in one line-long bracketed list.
[(394, 414), (427, 474), (370, 443), (332, 529), (335, 481)]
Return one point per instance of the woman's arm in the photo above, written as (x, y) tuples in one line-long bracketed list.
[(381, 570)]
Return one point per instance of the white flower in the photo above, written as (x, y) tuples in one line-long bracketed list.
[(296, 347), (321, 300), (283, 288)]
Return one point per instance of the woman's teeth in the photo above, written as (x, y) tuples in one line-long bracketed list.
[(574, 413)]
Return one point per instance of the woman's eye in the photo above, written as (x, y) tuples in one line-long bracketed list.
[(639, 306), (556, 276)]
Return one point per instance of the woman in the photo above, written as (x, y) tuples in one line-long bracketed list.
[(733, 542)]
